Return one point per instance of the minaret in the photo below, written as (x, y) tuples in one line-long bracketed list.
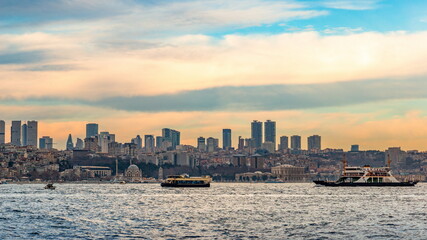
[(160, 173)]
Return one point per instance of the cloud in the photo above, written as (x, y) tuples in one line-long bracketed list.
[(23, 57), (352, 4), (256, 98)]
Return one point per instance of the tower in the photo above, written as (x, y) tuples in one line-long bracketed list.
[(32, 133), (2, 132), (270, 132), (24, 134), (314, 143), (296, 142), (256, 133), (226, 139), (91, 130), (70, 145), (15, 136)]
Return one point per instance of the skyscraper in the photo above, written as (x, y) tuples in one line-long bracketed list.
[(226, 139), (2, 132), (270, 132), (137, 141), (256, 133), (149, 143), (159, 142), (91, 130), (284, 143), (212, 144), (241, 143), (46, 142), (70, 145), (24, 130), (171, 135), (79, 144), (15, 136), (296, 142), (201, 144), (32, 133), (313, 143)]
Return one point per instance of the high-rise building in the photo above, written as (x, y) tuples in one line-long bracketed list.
[(284, 143), (91, 130), (46, 142), (91, 144), (32, 133), (241, 143), (212, 144), (256, 133), (269, 146), (137, 141), (226, 139), (149, 143), (270, 132), (70, 145), (24, 132), (354, 148), (2, 132), (201, 144), (171, 135), (314, 143), (104, 139), (79, 144), (159, 141), (295, 142), (15, 136)]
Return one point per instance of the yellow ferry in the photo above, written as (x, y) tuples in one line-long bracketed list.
[(186, 181)]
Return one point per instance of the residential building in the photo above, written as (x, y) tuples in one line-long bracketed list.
[(2, 132), (256, 133), (314, 143), (201, 144), (91, 130), (284, 143), (32, 133), (15, 136), (295, 142)]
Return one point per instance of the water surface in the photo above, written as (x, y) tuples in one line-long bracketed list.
[(224, 211)]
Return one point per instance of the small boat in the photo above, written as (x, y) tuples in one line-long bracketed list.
[(366, 176), (50, 186), (186, 181)]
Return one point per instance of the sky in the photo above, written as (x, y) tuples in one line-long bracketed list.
[(352, 71)]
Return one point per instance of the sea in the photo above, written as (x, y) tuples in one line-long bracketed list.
[(223, 211)]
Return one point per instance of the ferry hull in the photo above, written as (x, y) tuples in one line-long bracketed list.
[(353, 184), (184, 185)]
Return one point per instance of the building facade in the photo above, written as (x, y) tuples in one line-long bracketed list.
[(256, 133), (314, 143), (284, 143), (91, 130), (2, 132), (32, 133), (270, 132), (15, 136), (296, 142), (289, 173), (226, 139)]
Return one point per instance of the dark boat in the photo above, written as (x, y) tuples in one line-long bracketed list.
[(186, 181), (366, 176), (50, 186)]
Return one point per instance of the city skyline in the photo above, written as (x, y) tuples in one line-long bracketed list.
[(353, 72)]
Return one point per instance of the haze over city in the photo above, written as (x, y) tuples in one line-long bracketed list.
[(351, 71)]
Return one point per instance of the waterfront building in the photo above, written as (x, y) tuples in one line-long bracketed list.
[(354, 148), (296, 142), (94, 171), (2, 132), (79, 144), (226, 139), (70, 144), (24, 129), (32, 133), (289, 173), (201, 144), (91, 130), (284, 143), (270, 133), (46, 142), (314, 143), (15, 136), (133, 174), (149, 143), (256, 133)]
